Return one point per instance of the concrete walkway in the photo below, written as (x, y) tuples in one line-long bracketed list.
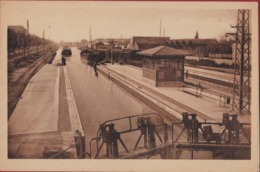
[(207, 106), (37, 123), (37, 110)]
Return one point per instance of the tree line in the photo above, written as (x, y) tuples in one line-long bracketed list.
[(22, 42)]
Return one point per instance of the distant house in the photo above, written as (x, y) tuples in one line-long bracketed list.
[(122, 43), (143, 43)]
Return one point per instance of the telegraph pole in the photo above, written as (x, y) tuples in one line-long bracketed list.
[(43, 41), (90, 36), (27, 37), (160, 27)]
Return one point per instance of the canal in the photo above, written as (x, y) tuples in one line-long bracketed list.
[(99, 99)]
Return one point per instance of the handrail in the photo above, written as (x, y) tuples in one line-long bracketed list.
[(128, 130), (130, 117)]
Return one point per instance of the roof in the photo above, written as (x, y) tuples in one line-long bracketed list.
[(146, 42), (144, 46), (194, 41), (163, 51), (150, 40), (17, 29)]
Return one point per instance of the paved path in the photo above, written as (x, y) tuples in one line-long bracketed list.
[(37, 110), (206, 104), (45, 117)]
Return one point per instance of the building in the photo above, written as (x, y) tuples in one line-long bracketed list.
[(143, 43), (116, 42), (210, 48), (163, 66)]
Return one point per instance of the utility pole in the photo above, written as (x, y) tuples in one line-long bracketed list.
[(90, 36), (112, 59), (241, 85), (37, 42), (160, 27), (43, 41), (27, 37)]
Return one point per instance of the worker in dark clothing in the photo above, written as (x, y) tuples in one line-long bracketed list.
[(63, 61), (187, 74), (95, 68)]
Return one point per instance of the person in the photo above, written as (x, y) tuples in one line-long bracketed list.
[(63, 61), (199, 88), (187, 74), (95, 68)]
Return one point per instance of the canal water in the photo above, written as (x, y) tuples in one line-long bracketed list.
[(98, 99)]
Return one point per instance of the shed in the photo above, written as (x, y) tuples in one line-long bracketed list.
[(163, 65)]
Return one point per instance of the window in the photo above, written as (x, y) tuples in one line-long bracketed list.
[(179, 64), (161, 63)]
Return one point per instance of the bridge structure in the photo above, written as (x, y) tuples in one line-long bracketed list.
[(231, 138)]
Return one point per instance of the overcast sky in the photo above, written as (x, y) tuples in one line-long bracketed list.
[(70, 21)]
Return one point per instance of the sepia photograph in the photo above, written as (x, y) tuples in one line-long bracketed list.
[(129, 86)]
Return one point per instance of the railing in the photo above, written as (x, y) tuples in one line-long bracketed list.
[(110, 136), (232, 126)]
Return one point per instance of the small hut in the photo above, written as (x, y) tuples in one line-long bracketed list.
[(163, 66)]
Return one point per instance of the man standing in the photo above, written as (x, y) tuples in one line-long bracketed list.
[(63, 61)]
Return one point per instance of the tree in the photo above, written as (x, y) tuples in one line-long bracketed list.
[(12, 40)]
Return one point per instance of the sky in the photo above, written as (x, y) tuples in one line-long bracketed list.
[(70, 21)]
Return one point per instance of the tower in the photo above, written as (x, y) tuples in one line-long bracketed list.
[(241, 85)]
